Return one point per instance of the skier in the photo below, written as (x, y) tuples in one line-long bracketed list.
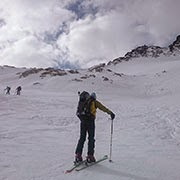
[(87, 125), (18, 90), (7, 90)]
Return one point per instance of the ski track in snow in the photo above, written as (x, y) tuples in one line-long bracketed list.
[(39, 131)]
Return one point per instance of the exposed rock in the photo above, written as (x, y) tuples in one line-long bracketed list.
[(30, 71), (118, 60), (77, 80), (118, 74), (7, 66), (97, 68), (105, 78), (88, 76), (44, 72), (145, 51), (53, 72), (175, 46), (150, 51), (37, 83), (73, 71)]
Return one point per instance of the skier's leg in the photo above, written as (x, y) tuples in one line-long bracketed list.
[(82, 138), (91, 134)]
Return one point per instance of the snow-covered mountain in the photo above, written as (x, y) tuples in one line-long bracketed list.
[(151, 51), (39, 129), (175, 46)]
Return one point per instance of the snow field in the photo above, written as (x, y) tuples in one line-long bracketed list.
[(39, 129)]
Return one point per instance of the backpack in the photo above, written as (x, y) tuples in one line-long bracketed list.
[(19, 88), (84, 104)]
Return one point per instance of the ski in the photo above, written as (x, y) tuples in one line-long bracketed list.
[(86, 165), (74, 167)]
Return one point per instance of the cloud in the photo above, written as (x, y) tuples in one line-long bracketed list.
[(34, 53), (81, 33), (90, 40), (25, 26), (119, 26)]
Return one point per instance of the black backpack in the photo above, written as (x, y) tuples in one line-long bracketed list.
[(19, 88), (83, 109)]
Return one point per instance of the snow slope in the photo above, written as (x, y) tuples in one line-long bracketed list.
[(39, 129)]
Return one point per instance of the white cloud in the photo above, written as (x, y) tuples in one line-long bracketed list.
[(120, 26), (26, 25), (34, 16), (107, 29), (34, 54), (91, 39)]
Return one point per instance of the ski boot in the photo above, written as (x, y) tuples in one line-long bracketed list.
[(78, 159), (90, 159)]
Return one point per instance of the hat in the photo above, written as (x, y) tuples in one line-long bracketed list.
[(93, 95)]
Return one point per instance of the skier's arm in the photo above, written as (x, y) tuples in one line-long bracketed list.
[(102, 107)]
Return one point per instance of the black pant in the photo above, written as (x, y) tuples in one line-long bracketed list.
[(87, 126)]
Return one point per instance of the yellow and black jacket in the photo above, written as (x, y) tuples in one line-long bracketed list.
[(96, 104)]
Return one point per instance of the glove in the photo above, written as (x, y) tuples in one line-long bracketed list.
[(112, 115)]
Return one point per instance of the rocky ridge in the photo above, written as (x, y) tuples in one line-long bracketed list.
[(141, 51), (150, 51)]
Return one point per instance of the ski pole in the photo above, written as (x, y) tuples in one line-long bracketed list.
[(110, 154)]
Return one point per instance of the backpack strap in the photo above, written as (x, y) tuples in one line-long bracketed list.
[(88, 106)]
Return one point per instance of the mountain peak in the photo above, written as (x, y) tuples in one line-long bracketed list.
[(145, 51), (150, 51), (175, 46)]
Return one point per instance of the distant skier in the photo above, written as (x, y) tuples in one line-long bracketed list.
[(18, 90), (86, 112), (7, 90)]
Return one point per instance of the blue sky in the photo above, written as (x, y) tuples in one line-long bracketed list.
[(82, 33)]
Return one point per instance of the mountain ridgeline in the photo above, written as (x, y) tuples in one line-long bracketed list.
[(139, 52), (150, 51)]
